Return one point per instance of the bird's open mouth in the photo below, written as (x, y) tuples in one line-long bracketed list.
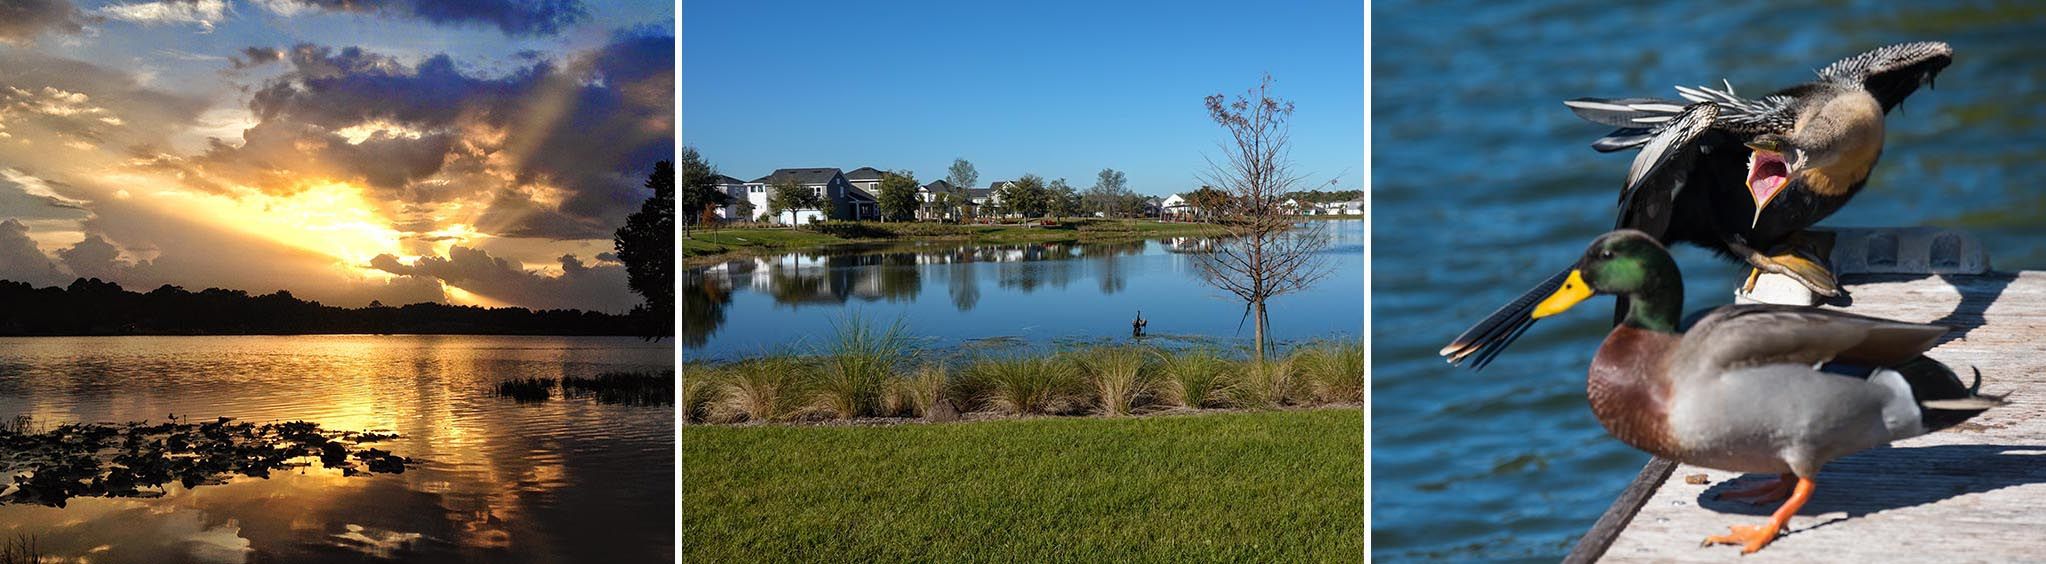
[(1767, 175)]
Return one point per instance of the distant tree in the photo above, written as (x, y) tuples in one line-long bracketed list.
[(1265, 256), (699, 187), (898, 196), (962, 175), (1209, 202), (1027, 196), (792, 196), (1110, 193), (1060, 199), (646, 245)]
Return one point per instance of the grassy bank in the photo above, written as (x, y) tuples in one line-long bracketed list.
[(710, 245), (1264, 486), (870, 372)]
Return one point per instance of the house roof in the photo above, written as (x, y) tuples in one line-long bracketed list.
[(724, 179), (855, 193), (864, 173), (800, 175), (939, 186), (980, 192)]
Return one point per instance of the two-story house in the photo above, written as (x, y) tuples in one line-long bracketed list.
[(841, 199), (930, 208), (736, 208)]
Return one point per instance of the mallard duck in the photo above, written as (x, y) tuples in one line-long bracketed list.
[(1743, 178), (1753, 388)]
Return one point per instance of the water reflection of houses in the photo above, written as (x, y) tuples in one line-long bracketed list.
[(894, 274), (1190, 245)]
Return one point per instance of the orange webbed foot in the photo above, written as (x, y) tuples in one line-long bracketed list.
[(1750, 537)]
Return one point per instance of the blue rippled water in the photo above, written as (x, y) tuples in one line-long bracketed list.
[(1483, 183)]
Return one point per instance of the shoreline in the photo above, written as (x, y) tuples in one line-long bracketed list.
[(697, 251)]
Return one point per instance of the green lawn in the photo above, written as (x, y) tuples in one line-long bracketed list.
[(1244, 486), (702, 242)]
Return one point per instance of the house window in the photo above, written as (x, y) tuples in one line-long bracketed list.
[(819, 190)]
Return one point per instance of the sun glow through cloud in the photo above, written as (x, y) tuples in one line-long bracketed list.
[(330, 218)]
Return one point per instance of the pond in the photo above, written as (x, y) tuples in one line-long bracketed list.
[(952, 295), (491, 480)]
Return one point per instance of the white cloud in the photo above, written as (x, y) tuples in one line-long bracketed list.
[(203, 13)]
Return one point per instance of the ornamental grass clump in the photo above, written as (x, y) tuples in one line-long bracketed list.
[(702, 387), (857, 366), (1195, 378), (1120, 378), (914, 394), (1334, 371), (769, 388), (1268, 384), (1025, 384)]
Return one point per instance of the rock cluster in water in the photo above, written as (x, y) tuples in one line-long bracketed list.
[(100, 460)]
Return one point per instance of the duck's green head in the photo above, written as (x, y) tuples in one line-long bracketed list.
[(1624, 262)]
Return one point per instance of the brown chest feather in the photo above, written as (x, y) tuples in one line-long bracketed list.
[(1629, 388)]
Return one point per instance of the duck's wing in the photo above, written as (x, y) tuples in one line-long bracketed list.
[(1892, 73), (1662, 169), (1741, 336)]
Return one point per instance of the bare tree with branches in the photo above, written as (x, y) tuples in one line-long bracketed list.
[(1266, 255)]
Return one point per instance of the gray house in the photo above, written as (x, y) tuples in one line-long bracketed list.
[(867, 179), (842, 199)]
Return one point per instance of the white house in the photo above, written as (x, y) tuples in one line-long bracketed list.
[(840, 196), (1352, 207), (928, 195), (1175, 205), (739, 208)]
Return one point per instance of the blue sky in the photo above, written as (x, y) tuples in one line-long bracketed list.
[(1059, 88)]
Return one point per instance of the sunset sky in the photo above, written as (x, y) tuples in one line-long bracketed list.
[(472, 152)]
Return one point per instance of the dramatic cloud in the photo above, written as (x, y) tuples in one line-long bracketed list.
[(22, 261), (550, 150), (578, 286), (514, 17), (342, 174), (203, 13), (21, 21)]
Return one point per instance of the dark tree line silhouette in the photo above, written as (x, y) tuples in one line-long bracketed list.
[(92, 307)]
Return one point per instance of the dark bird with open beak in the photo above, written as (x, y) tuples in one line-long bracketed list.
[(1742, 177)]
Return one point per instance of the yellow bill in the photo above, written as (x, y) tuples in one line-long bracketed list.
[(1574, 290)]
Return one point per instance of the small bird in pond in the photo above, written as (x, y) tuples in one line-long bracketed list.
[(1741, 177), (1754, 388), (1137, 327)]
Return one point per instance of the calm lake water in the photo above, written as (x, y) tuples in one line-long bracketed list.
[(1027, 295), (1483, 184), (566, 480)]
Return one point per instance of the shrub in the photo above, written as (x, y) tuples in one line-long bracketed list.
[(1334, 371), (768, 388), (1196, 378), (1024, 384), (858, 365), (849, 229), (1119, 377)]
